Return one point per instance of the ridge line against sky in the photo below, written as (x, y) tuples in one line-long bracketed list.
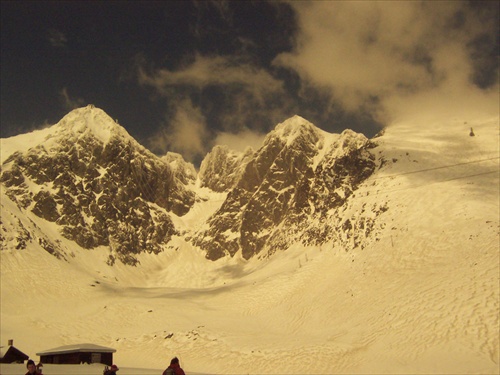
[(183, 76)]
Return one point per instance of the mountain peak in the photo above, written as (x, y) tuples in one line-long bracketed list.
[(90, 120), (292, 124), (295, 127)]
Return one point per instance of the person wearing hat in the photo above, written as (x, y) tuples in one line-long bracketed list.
[(31, 368), (112, 370), (174, 368)]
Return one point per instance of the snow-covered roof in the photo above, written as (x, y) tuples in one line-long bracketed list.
[(85, 348)]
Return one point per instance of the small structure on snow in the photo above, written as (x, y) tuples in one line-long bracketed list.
[(76, 354), (10, 354)]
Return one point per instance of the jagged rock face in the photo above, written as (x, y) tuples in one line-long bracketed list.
[(112, 193), (222, 168), (317, 216), (183, 171), (89, 177), (296, 177)]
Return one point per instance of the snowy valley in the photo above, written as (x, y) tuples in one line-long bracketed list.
[(317, 253)]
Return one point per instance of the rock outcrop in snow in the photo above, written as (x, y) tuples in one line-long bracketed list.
[(222, 168), (183, 171), (288, 190), (101, 188), (98, 185), (408, 277)]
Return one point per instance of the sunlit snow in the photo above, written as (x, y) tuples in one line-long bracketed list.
[(422, 297)]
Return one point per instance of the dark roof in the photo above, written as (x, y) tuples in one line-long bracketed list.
[(77, 348), (11, 353)]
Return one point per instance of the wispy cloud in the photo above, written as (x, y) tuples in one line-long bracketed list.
[(56, 38), (186, 133), (371, 62), (242, 92), (207, 71), (240, 141), (68, 102), (392, 53)]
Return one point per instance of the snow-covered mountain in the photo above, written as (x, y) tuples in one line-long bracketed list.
[(289, 191), (328, 253), (88, 176), (183, 171), (222, 168)]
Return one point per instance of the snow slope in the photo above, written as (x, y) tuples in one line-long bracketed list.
[(423, 297), (79, 122)]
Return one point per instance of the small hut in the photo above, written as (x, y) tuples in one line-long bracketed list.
[(76, 354), (10, 354)]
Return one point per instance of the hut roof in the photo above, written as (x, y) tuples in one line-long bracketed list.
[(11, 350), (77, 348)]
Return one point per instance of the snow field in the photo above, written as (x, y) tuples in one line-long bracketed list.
[(421, 297)]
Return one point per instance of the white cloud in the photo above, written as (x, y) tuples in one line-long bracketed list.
[(68, 102), (393, 52), (186, 133), (241, 140), (205, 71), (245, 90)]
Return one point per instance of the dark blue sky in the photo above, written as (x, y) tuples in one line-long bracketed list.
[(184, 75)]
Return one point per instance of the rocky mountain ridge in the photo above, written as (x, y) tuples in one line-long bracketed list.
[(288, 190), (100, 187), (222, 168)]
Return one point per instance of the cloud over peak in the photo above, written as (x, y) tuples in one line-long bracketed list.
[(356, 64), (206, 71), (185, 134), (363, 51), (229, 90)]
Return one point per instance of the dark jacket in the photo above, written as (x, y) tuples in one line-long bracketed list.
[(176, 370)]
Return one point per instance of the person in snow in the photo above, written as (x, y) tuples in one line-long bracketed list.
[(112, 370), (31, 368), (174, 368)]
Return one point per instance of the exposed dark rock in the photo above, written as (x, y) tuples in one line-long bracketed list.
[(103, 189), (45, 206), (87, 185), (282, 188), (222, 168)]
